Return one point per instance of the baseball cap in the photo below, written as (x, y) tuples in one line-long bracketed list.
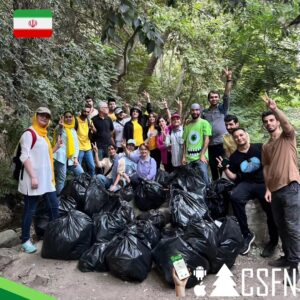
[(175, 115), (118, 110), (43, 110), (195, 106), (131, 141)]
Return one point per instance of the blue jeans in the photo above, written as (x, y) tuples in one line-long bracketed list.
[(203, 167), (286, 210), (29, 210), (104, 181), (89, 160), (61, 174)]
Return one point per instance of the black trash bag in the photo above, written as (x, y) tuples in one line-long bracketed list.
[(93, 259), (174, 245), (202, 235), (187, 178), (185, 206), (149, 195), (66, 203), (149, 231), (108, 224), (158, 218), (129, 257), (41, 218), (217, 197), (163, 178), (127, 193), (98, 199), (68, 236), (76, 188), (230, 242)]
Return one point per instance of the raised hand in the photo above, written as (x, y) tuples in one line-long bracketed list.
[(95, 148), (178, 102), (270, 103), (165, 103), (228, 73), (146, 95), (61, 121)]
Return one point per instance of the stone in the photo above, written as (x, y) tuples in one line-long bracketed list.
[(7, 256), (40, 280), (9, 238), (6, 216)]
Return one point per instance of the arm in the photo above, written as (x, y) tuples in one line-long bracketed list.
[(76, 144), (265, 163), (152, 173), (166, 108), (160, 141), (99, 163), (228, 84), (204, 148), (179, 106), (232, 176)]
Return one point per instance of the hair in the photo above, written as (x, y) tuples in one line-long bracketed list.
[(212, 92), (84, 108), (110, 99), (112, 145), (236, 129), (144, 145), (88, 105), (68, 112), (157, 123), (229, 118), (88, 97), (267, 113)]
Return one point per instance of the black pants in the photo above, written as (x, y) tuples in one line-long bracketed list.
[(239, 197), (155, 153), (169, 167), (286, 210), (213, 152)]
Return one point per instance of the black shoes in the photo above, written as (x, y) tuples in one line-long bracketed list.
[(269, 249), (248, 240), (279, 263)]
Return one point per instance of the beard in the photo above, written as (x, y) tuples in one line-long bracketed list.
[(195, 116)]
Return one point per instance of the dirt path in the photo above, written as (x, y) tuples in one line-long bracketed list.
[(63, 280)]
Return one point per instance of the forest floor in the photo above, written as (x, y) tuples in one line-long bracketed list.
[(63, 280)]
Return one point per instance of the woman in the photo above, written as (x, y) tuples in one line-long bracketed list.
[(38, 175), (67, 156), (152, 131), (146, 165), (163, 132)]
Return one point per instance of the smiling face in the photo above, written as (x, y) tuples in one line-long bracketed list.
[(90, 102), (111, 106), (195, 113), (152, 119), (135, 114), (162, 123), (43, 119), (111, 151), (214, 99), (271, 123), (240, 137), (68, 118), (231, 125), (144, 152), (176, 122)]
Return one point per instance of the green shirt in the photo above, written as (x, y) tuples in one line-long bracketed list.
[(193, 137)]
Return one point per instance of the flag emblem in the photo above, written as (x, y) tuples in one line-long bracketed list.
[(33, 23)]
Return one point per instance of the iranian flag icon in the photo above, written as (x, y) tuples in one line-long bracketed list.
[(33, 23)]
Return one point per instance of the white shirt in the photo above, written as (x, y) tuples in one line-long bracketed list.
[(176, 141), (40, 162), (118, 129)]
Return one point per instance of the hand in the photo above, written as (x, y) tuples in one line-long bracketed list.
[(34, 183), (59, 143), (146, 95), (95, 148), (165, 103), (112, 188), (268, 196), (177, 281), (220, 160), (139, 104), (203, 158), (126, 105), (61, 121), (271, 104), (178, 102), (228, 73), (75, 161)]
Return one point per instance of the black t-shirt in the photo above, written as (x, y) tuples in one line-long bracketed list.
[(247, 166), (104, 131)]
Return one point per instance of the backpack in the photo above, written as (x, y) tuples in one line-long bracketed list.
[(17, 166)]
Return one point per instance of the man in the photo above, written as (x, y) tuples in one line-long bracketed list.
[(90, 103), (111, 102), (245, 169), (282, 178), (229, 145), (119, 127), (104, 130), (174, 140), (215, 116), (196, 138), (83, 127)]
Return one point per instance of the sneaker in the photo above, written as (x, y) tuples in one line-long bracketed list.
[(248, 240), (269, 249), (294, 276), (281, 262), (28, 247)]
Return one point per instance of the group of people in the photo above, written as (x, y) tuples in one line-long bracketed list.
[(123, 145)]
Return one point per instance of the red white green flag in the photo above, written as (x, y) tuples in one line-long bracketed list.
[(33, 23)]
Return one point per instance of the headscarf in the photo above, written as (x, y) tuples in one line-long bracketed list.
[(70, 139), (42, 131)]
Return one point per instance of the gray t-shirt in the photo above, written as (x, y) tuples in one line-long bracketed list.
[(118, 129)]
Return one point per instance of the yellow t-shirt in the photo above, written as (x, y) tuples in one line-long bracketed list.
[(137, 133), (112, 116), (152, 133), (83, 135)]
